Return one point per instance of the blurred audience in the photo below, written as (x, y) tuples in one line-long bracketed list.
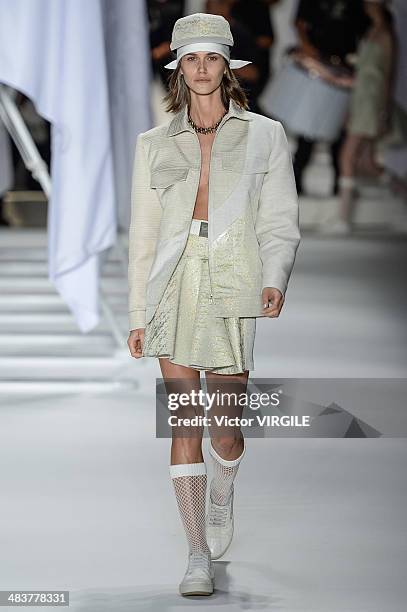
[(329, 32), (256, 16), (244, 46), (162, 15), (371, 106)]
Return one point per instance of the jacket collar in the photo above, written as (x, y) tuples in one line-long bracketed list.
[(180, 121)]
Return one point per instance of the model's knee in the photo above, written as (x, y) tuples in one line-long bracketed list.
[(227, 445)]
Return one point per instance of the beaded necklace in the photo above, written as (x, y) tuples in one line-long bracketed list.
[(205, 130)]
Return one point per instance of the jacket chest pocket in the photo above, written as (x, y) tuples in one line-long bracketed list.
[(253, 164), (249, 179), (170, 184), (165, 178), (248, 175), (256, 165)]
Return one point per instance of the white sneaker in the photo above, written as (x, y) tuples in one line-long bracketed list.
[(199, 578), (219, 526)]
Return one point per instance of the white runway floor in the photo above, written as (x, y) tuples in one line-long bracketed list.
[(88, 507), (87, 503)]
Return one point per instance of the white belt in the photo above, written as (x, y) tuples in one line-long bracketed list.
[(199, 227)]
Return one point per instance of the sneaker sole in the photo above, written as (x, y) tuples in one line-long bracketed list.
[(197, 588)]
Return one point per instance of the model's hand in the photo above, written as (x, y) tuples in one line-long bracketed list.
[(276, 299), (135, 342)]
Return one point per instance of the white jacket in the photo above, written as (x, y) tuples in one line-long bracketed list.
[(253, 216)]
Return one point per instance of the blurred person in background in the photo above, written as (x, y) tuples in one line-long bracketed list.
[(256, 16), (328, 30), (244, 46), (162, 14), (371, 109), (394, 156)]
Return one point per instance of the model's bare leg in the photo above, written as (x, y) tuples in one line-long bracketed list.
[(227, 448), (180, 379), (347, 184), (188, 474), (366, 160)]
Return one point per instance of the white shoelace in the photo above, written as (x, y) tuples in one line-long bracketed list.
[(199, 560), (218, 515)]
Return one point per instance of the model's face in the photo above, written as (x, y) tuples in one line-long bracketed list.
[(203, 71)]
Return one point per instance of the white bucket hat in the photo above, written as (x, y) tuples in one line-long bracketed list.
[(203, 32)]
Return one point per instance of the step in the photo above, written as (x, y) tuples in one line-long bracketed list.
[(56, 344), (20, 254), (43, 322), (41, 284), (31, 387), (22, 266), (35, 237), (35, 240), (116, 365), (49, 302)]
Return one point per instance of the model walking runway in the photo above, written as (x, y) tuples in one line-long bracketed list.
[(212, 241)]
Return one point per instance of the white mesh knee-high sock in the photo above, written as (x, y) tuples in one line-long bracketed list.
[(190, 481), (223, 476)]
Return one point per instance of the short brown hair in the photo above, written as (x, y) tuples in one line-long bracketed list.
[(178, 95)]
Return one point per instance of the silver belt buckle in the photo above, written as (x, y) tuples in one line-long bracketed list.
[(203, 230)]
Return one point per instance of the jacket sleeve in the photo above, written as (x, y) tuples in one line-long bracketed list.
[(277, 219), (143, 233)]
